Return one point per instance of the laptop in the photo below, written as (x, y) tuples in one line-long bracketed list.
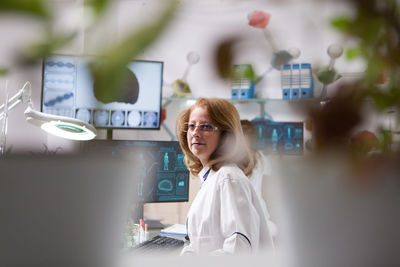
[(63, 211)]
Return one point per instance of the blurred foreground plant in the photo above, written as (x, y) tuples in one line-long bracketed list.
[(376, 28), (53, 39), (108, 69)]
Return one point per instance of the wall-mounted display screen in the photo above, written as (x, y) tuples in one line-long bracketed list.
[(163, 176), (68, 89), (274, 137)]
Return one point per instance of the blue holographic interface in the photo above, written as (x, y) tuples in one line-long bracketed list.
[(163, 176), (69, 89), (279, 138)]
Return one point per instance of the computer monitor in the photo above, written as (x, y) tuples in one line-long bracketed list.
[(68, 89), (163, 176), (279, 138)]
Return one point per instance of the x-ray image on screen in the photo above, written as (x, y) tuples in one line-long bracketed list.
[(285, 138), (163, 176), (69, 89)]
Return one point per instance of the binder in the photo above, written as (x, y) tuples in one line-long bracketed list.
[(297, 81)]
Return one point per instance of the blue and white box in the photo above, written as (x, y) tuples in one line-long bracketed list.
[(297, 81), (242, 84)]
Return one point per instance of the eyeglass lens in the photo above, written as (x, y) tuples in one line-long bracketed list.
[(204, 127)]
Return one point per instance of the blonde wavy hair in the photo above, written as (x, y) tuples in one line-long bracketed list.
[(232, 147)]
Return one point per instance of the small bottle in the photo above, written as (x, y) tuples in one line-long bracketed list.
[(141, 231), (146, 233)]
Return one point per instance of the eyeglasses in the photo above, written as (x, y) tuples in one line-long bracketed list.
[(204, 127)]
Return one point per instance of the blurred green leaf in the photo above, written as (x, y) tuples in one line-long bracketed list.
[(341, 23), (381, 100), (374, 70), (395, 93), (99, 6), (386, 140), (181, 88), (109, 71), (36, 8), (352, 53), (327, 76), (367, 28), (3, 71), (37, 51), (244, 71)]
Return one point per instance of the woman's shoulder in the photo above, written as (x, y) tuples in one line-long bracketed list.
[(231, 172), (229, 168)]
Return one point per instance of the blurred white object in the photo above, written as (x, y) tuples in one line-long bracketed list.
[(334, 52), (192, 59), (330, 217), (295, 52), (262, 169), (63, 211)]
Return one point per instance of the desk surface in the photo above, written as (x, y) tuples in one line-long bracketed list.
[(154, 232)]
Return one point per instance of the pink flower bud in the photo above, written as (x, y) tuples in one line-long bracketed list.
[(259, 19)]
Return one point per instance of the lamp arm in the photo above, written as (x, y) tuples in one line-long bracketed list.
[(10, 107), (22, 96)]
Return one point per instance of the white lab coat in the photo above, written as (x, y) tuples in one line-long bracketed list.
[(226, 215), (263, 167)]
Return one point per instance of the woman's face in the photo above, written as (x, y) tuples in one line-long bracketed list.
[(202, 141)]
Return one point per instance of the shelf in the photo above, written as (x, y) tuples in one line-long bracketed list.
[(251, 100), (260, 101)]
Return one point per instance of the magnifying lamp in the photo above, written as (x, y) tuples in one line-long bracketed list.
[(61, 126)]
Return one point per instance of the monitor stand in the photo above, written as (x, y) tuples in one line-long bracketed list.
[(109, 134), (137, 214)]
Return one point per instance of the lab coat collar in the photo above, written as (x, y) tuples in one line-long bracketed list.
[(202, 173)]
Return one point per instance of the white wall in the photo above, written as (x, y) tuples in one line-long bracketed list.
[(197, 26)]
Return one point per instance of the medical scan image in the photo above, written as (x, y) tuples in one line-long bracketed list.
[(162, 173)]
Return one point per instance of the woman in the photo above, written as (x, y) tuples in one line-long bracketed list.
[(226, 216)]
